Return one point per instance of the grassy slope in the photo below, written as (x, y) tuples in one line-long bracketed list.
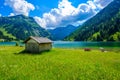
[(59, 64), (5, 33)]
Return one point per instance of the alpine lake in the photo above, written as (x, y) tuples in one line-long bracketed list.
[(72, 44)]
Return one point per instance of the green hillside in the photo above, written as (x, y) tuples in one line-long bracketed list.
[(105, 26), (19, 28)]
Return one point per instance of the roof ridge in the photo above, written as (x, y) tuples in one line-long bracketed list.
[(40, 39)]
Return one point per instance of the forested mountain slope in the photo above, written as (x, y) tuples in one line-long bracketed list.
[(19, 28), (105, 26), (61, 32)]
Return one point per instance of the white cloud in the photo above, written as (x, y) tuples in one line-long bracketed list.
[(0, 15), (66, 13), (39, 21), (92, 4), (11, 14), (102, 3), (65, 8), (20, 6)]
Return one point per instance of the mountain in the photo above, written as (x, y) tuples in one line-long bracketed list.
[(105, 26), (61, 32), (19, 28)]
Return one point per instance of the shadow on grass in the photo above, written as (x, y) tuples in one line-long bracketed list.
[(32, 53)]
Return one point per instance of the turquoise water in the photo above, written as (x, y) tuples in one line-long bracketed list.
[(68, 44), (10, 44)]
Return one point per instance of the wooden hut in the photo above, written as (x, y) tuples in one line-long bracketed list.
[(37, 44)]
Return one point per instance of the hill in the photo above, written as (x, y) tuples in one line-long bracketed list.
[(61, 32), (19, 28), (105, 26)]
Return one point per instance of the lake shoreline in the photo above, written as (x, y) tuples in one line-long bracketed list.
[(71, 44)]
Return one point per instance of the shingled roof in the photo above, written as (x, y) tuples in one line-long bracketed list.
[(39, 39)]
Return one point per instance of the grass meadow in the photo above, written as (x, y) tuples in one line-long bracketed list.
[(59, 64)]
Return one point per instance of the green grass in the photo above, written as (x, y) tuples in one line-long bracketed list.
[(58, 64)]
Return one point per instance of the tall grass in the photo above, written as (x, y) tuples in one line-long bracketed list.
[(59, 64)]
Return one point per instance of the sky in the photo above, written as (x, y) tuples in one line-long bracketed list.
[(54, 13)]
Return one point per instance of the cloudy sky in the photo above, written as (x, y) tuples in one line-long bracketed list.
[(54, 13)]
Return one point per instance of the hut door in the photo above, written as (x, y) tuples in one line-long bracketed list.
[(34, 47)]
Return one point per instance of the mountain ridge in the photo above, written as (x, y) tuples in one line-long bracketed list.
[(20, 27), (61, 32)]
